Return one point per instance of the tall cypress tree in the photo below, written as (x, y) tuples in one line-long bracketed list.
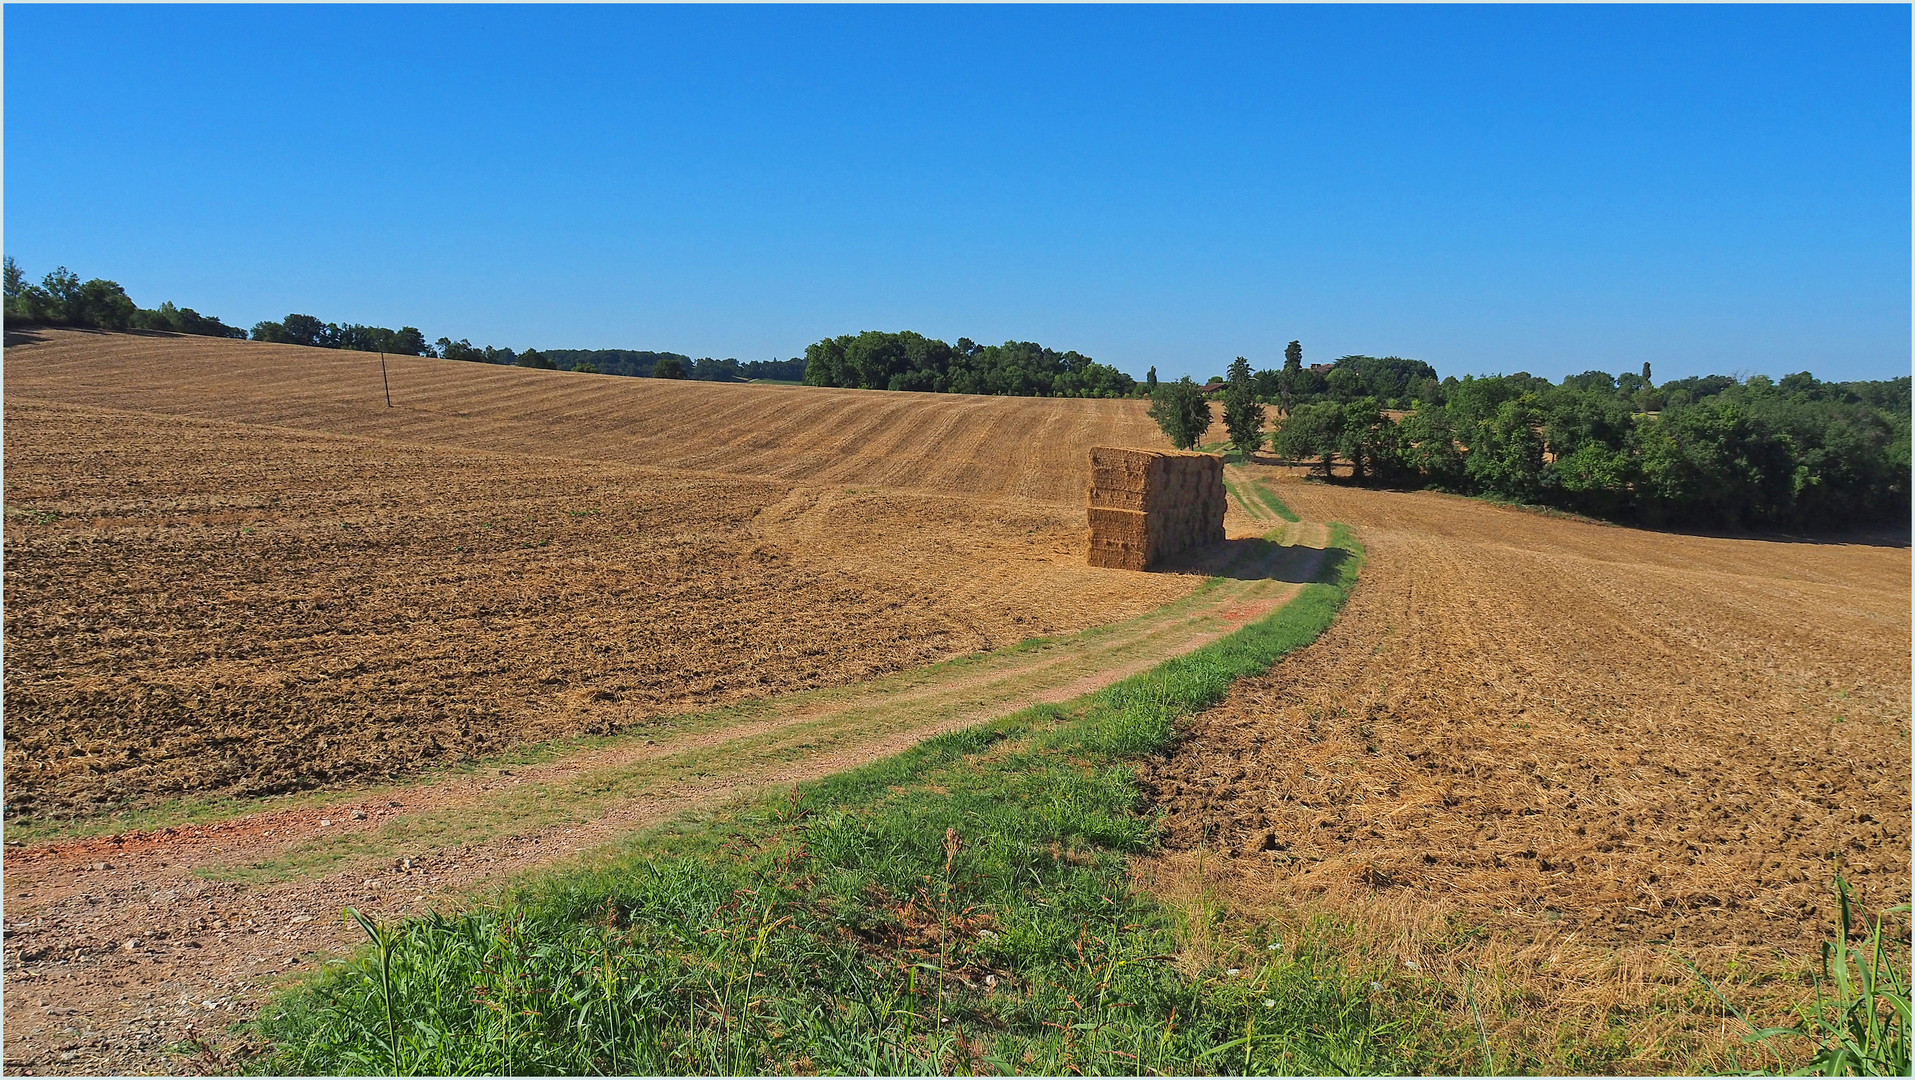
[(1242, 414)]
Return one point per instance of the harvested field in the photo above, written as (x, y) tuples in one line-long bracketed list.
[(1001, 448), (208, 606), (198, 605), (1629, 734), (1602, 747)]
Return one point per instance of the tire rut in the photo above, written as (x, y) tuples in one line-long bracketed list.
[(118, 947)]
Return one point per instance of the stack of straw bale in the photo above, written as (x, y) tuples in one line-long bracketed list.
[(1148, 504)]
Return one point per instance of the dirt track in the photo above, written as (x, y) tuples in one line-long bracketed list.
[(1583, 736), (205, 607), (204, 604), (121, 946), (1524, 721)]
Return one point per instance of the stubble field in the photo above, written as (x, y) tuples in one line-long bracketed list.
[(1551, 761), (223, 577), (1546, 753)]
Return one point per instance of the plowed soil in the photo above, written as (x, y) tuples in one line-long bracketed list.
[(201, 603), (1028, 449), (1524, 721), (232, 569)]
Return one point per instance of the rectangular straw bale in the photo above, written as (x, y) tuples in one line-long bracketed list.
[(1148, 504), (1119, 539)]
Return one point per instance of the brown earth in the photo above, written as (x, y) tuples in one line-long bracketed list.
[(118, 947), (1634, 734), (1580, 739), (1025, 449), (201, 606)]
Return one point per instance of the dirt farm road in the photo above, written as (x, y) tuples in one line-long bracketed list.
[(126, 954)]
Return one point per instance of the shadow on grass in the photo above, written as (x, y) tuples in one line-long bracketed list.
[(1258, 559)]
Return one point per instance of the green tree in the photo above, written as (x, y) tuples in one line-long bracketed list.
[(1312, 431), (1595, 479), (296, 329), (1368, 441), (671, 367), (1182, 411), (1242, 415), (1506, 452), (1150, 377), (62, 299), (1292, 367), (532, 358), (408, 341), (62, 287), (179, 320), (1428, 446), (1714, 462), (1345, 383)]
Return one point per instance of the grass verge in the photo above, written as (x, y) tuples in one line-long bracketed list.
[(1269, 499), (964, 906), (1859, 1022)]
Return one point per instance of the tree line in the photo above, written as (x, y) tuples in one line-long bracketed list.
[(905, 360), (62, 299), (1711, 450)]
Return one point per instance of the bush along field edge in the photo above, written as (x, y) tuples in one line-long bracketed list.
[(963, 907)]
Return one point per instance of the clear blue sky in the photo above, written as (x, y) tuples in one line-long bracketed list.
[(1488, 189)]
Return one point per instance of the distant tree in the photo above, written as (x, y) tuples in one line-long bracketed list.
[(102, 304), (1595, 479), (1182, 411), (408, 341), (1506, 451), (304, 330), (1427, 443), (1242, 415), (904, 360), (1312, 431), (179, 320), (1150, 377), (63, 287), (62, 299), (586, 368), (1646, 380), (459, 350), (1715, 461), (671, 367), (1292, 367), (1345, 383), (532, 358), (1368, 441)]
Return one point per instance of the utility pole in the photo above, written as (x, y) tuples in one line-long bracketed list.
[(387, 383)]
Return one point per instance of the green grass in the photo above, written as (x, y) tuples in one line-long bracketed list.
[(963, 906), (1269, 499), (1859, 1023), (32, 517), (196, 810)]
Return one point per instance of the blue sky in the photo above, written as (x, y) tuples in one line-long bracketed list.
[(1488, 189)]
